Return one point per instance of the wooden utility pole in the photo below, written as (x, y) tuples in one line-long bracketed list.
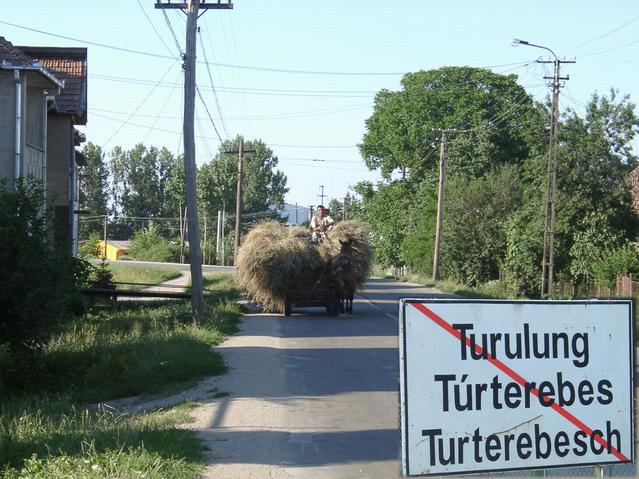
[(192, 10), (238, 199), (440, 204)]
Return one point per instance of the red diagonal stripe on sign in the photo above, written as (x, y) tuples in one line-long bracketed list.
[(520, 380)]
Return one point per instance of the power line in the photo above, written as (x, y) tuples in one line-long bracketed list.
[(217, 102), (138, 107), (229, 65), (607, 33), (175, 39), (199, 94), (153, 27)]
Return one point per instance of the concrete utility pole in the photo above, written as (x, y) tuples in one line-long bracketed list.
[(322, 196), (238, 198), (440, 204), (238, 191), (547, 273), (192, 10)]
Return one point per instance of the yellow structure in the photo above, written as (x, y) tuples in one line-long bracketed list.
[(114, 249)]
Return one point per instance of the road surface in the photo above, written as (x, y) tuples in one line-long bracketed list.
[(314, 396)]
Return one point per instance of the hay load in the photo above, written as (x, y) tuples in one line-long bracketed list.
[(275, 259)]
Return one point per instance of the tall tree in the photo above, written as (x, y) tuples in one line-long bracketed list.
[(263, 187), (94, 188), (493, 110)]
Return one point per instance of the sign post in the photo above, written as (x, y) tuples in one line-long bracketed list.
[(490, 386)]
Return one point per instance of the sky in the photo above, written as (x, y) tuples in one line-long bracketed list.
[(302, 75)]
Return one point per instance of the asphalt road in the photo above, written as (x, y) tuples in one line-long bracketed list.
[(314, 396)]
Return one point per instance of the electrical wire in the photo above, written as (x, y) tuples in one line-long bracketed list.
[(157, 117), (139, 106), (217, 101), (229, 65), (607, 33), (153, 27), (199, 94)]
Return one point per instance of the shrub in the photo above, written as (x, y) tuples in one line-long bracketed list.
[(90, 248), (615, 262), (149, 245), (39, 278)]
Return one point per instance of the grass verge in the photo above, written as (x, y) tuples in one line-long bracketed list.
[(48, 430), (126, 273)]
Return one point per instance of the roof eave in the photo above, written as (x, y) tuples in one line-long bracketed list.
[(36, 67)]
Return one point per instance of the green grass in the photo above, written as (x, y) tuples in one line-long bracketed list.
[(47, 429), (51, 439), (126, 273)]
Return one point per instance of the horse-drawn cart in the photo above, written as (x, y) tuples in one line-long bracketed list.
[(316, 297)]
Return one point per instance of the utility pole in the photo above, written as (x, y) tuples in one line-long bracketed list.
[(548, 262), (322, 196), (238, 192), (296, 213), (547, 273), (192, 10), (344, 215), (440, 196), (440, 203), (238, 199), (104, 228)]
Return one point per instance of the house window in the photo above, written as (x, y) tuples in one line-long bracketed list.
[(34, 122)]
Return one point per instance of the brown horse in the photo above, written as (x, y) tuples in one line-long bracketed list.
[(345, 276)]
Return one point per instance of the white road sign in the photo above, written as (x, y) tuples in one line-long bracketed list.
[(506, 385)]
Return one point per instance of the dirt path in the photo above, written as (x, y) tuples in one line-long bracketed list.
[(181, 282)]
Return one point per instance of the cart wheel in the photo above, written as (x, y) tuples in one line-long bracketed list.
[(287, 307), (333, 307)]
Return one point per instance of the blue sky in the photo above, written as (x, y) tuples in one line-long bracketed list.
[(301, 75)]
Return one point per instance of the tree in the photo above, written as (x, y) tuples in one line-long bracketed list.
[(496, 111), (336, 207), (474, 235), (263, 187), (94, 188), (593, 202)]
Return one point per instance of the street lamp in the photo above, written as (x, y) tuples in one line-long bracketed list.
[(547, 286)]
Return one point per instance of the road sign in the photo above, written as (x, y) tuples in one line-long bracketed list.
[(491, 386)]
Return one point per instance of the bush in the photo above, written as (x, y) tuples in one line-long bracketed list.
[(149, 245), (91, 248), (615, 262), (39, 278)]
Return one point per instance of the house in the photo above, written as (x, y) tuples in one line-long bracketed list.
[(24, 87), (43, 91), (115, 250), (66, 109)]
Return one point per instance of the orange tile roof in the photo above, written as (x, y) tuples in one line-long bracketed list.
[(69, 65)]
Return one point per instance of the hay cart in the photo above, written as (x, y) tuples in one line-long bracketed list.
[(323, 295)]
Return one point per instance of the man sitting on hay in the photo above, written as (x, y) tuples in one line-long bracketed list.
[(321, 224)]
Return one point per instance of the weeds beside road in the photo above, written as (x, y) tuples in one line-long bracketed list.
[(48, 429)]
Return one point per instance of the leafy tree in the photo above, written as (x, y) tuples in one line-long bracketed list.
[(263, 187), (336, 208), (593, 202), (474, 235), (615, 262), (94, 188), (499, 116), (388, 210)]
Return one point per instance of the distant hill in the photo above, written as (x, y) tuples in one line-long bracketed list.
[(289, 212)]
